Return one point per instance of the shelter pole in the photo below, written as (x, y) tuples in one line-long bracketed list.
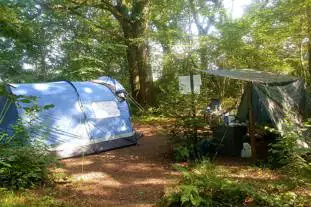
[(251, 120), (194, 114), (192, 94)]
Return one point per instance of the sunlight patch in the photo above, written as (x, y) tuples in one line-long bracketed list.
[(88, 90), (89, 176), (151, 181), (79, 163), (41, 87)]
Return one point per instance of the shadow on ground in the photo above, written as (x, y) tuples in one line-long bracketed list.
[(132, 176)]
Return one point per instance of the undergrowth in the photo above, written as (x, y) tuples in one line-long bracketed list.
[(25, 161), (206, 184), (291, 151)]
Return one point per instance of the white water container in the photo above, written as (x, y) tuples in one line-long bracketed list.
[(246, 152)]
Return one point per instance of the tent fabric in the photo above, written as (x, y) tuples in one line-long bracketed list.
[(274, 96), (252, 76), (87, 117), (8, 113), (272, 103), (108, 80)]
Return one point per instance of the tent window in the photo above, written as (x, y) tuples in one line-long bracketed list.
[(105, 109)]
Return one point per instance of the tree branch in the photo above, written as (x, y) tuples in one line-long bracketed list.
[(195, 17), (115, 11), (97, 25), (211, 19)]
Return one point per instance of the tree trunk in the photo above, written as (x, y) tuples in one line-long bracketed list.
[(309, 42), (43, 68), (134, 27), (42, 73), (309, 56), (138, 60), (140, 73), (133, 21), (203, 55)]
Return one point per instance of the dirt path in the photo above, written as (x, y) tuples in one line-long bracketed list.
[(132, 176)]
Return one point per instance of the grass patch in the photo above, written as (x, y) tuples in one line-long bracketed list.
[(25, 198), (151, 119), (40, 196)]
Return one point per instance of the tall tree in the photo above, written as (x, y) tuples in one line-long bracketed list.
[(279, 30), (28, 33), (133, 19), (92, 46), (205, 14), (15, 39), (308, 13)]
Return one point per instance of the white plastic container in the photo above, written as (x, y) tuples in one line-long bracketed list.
[(246, 152)]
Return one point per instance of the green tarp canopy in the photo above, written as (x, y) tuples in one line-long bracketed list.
[(253, 76), (274, 96)]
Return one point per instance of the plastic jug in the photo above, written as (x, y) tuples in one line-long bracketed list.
[(246, 152)]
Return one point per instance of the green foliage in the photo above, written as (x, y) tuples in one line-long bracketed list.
[(190, 127), (202, 187), (186, 135), (24, 160), (276, 35), (182, 153), (81, 40), (289, 150), (24, 166), (208, 185), (27, 198)]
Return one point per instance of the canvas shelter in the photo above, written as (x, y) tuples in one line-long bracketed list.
[(268, 98), (273, 96), (87, 117)]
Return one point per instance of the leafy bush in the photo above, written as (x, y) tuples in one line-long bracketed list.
[(206, 185), (202, 186), (186, 135), (24, 161), (289, 152), (24, 166)]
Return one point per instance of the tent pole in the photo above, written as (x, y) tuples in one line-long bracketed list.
[(251, 120)]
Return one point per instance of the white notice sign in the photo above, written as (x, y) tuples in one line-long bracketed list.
[(185, 84)]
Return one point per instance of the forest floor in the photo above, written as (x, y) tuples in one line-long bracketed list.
[(131, 176), (137, 176), (140, 175)]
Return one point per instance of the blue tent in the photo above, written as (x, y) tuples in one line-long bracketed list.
[(87, 117)]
